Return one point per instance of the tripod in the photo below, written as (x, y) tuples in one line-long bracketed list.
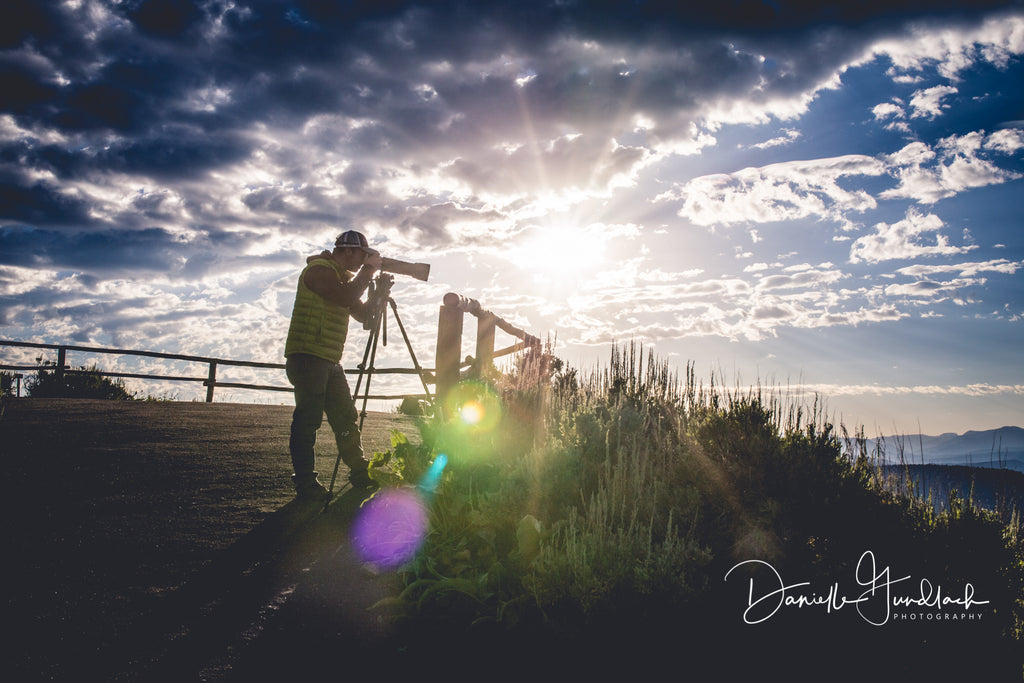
[(377, 303)]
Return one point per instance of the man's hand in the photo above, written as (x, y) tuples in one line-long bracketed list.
[(372, 262)]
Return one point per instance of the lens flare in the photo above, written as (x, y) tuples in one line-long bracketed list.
[(475, 406), (390, 528), (475, 415), (433, 474), (471, 413)]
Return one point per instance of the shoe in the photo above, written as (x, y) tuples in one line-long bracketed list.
[(360, 479), (313, 490)]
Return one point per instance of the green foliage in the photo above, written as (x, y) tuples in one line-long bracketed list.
[(7, 383), (618, 498), (81, 383), (404, 463)]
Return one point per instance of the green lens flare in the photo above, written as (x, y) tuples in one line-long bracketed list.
[(475, 407)]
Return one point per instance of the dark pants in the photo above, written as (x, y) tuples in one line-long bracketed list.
[(321, 387)]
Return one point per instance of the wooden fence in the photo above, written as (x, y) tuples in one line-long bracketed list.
[(448, 372), (449, 366), (210, 380)]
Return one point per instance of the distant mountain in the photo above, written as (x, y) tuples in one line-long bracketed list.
[(1001, 490), (999, 448)]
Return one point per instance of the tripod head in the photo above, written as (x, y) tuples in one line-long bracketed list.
[(377, 296)]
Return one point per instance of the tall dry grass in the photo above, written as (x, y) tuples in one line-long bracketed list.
[(612, 501)]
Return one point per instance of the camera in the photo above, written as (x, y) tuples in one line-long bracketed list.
[(420, 271)]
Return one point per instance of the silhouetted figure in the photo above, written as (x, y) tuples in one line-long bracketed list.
[(329, 291)]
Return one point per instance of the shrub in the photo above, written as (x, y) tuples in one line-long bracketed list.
[(640, 491), (7, 380), (82, 383)]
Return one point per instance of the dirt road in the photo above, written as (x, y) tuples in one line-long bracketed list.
[(161, 541)]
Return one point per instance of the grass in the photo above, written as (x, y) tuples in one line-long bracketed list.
[(609, 508)]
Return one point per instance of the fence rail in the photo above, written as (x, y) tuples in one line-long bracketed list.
[(209, 381), (449, 367)]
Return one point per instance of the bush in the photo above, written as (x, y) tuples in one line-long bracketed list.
[(81, 383), (7, 381), (641, 492)]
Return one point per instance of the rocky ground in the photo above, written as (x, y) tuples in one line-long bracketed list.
[(162, 541)]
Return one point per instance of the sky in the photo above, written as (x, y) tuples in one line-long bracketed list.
[(822, 199)]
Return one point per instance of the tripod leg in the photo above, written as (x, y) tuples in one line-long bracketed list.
[(408, 344), (370, 341), (381, 322)]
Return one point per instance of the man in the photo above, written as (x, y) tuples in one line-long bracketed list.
[(329, 291)]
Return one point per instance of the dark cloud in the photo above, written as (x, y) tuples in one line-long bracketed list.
[(173, 153), (153, 251), (22, 90), (165, 18), (153, 98), (38, 203), (431, 224), (25, 19), (150, 249)]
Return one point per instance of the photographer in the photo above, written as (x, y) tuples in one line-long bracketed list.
[(329, 291)]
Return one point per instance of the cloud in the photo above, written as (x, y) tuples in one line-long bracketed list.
[(954, 165), (580, 162), (778, 192), (801, 189), (888, 110), (929, 103), (177, 158), (789, 135), (973, 390), (1001, 266), (950, 48), (802, 277), (156, 252), (902, 240), (930, 289), (1007, 140)]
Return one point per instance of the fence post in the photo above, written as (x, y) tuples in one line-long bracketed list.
[(448, 352), (211, 381), (62, 358), (484, 343)]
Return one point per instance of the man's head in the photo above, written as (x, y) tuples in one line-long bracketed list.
[(351, 249)]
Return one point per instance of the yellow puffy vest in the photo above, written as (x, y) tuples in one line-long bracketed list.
[(317, 327)]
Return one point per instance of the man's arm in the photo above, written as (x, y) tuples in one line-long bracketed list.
[(359, 311), (323, 281)]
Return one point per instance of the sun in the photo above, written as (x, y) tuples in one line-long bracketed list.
[(561, 252)]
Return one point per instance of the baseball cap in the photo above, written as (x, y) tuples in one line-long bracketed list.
[(353, 238)]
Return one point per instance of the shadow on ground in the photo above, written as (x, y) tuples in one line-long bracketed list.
[(161, 541)]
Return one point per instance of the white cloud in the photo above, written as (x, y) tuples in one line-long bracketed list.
[(926, 175), (951, 48), (1007, 140), (778, 192), (801, 189), (788, 136), (888, 110), (930, 289), (1001, 266), (929, 103), (812, 278), (901, 240), (978, 389)]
